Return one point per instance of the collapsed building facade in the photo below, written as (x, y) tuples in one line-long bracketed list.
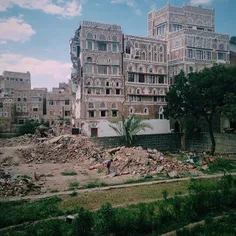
[(115, 74)]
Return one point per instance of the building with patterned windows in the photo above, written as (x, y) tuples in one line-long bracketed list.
[(192, 42), (114, 73), (146, 81)]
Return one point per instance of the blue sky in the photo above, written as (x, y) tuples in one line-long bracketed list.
[(35, 34)]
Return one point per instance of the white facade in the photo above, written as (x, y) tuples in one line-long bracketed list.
[(104, 129)]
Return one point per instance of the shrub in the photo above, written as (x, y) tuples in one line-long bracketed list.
[(28, 127), (82, 224), (104, 220), (74, 185), (68, 173)]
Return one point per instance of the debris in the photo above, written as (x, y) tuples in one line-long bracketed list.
[(173, 174), (17, 186)]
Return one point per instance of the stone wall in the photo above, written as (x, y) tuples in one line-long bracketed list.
[(161, 142), (225, 143), (200, 142)]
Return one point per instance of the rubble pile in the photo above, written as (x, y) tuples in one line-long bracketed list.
[(61, 149), (17, 186), (138, 161), (17, 141)]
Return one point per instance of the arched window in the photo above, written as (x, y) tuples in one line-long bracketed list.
[(117, 84), (89, 59), (161, 58), (88, 82), (138, 91), (154, 91), (145, 110), (155, 57), (149, 56), (89, 35), (161, 115), (155, 48), (89, 41), (98, 82), (143, 56), (114, 39), (128, 48), (136, 45), (150, 70), (131, 110), (102, 37), (149, 48), (130, 68), (102, 105), (140, 69), (161, 48), (107, 83), (89, 66), (90, 105)]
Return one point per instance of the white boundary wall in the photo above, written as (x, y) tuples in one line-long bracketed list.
[(104, 130)]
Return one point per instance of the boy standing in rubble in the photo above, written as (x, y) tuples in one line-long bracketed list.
[(108, 166)]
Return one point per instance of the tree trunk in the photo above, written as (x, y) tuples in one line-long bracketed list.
[(213, 143)]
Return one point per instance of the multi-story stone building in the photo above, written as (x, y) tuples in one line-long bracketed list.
[(116, 74), (59, 103), (101, 88), (146, 81), (29, 104), (6, 114), (191, 37), (12, 81)]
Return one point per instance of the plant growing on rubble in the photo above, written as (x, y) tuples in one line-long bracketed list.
[(128, 128)]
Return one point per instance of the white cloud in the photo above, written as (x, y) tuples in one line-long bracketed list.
[(44, 73), (195, 2), (3, 42), (65, 8), (130, 3), (15, 29), (138, 12)]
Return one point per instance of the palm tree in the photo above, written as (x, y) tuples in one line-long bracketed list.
[(128, 128)]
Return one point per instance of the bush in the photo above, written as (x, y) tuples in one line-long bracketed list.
[(28, 127), (82, 224), (68, 173), (105, 220)]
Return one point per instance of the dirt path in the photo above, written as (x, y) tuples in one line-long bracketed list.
[(34, 197)]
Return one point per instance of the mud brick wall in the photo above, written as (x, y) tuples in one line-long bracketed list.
[(161, 142)]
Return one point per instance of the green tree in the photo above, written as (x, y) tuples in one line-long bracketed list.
[(82, 225), (202, 94), (128, 128), (28, 127)]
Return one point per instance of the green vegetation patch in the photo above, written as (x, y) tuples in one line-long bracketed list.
[(68, 173), (74, 185), (17, 212)]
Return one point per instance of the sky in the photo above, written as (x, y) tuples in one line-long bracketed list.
[(35, 34)]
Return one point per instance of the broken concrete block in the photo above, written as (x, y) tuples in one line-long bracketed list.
[(173, 174)]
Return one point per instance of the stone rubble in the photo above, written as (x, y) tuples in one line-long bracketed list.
[(20, 185), (136, 160), (61, 149), (126, 160), (18, 141)]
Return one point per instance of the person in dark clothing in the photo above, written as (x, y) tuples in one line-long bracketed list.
[(108, 166)]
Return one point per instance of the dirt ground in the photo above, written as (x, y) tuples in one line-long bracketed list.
[(53, 180)]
